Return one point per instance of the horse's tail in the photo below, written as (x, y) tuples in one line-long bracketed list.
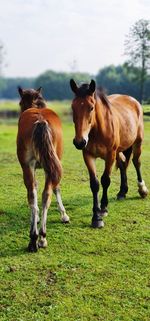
[(45, 152)]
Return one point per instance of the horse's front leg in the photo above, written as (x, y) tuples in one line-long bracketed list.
[(94, 184), (105, 181)]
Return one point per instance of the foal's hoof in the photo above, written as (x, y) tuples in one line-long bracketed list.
[(32, 247), (103, 212), (65, 219), (42, 243), (97, 223)]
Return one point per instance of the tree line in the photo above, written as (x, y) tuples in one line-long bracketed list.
[(114, 79)]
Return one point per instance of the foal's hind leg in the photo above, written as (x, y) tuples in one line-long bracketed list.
[(28, 174), (46, 200), (64, 216), (142, 189)]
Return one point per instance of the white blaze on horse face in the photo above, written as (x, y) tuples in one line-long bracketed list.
[(82, 132), (86, 128), (83, 112), (86, 137)]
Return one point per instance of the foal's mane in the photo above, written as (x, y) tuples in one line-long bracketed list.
[(31, 98), (40, 102), (84, 90)]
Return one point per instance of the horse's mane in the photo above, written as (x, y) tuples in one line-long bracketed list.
[(84, 90), (103, 97)]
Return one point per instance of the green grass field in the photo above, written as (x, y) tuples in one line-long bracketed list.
[(84, 274)]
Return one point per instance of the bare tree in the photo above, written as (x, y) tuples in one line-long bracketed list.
[(2, 57), (73, 65), (137, 48)]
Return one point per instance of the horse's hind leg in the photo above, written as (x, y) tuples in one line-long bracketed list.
[(46, 200), (123, 164), (61, 208), (28, 174), (142, 189)]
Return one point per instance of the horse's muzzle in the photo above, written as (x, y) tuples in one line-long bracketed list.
[(79, 145)]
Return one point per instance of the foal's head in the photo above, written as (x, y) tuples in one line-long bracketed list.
[(83, 107), (31, 98)]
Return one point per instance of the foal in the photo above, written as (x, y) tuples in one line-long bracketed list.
[(39, 144), (110, 128)]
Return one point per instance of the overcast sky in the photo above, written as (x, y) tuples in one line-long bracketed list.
[(65, 35)]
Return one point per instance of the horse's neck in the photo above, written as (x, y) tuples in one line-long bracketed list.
[(103, 119), (100, 115)]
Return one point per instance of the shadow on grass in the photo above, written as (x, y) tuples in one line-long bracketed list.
[(134, 198), (15, 227)]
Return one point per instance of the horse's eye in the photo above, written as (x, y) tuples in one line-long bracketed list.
[(91, 108)]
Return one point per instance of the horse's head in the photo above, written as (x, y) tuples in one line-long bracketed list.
[(30, 98), (83, 107)]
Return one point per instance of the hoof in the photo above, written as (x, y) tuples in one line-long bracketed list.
[(65, 219), (32, 247), (143, 194), (120, 197), (142, 189), (103, 212), (97, 223), (42, 243)]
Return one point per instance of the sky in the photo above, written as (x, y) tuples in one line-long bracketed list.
[(66, 35)]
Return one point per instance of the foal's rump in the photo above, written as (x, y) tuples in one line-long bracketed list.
[(41, 141)]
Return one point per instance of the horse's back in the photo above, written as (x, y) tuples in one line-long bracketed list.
[(128, 114), (125, 103)]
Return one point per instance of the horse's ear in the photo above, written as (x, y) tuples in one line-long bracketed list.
[(73, 86), (92, 86), (20, 90), (39, 90)]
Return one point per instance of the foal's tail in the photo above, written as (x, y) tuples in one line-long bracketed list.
[(45, 152)]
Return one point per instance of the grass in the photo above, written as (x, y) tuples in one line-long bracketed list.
[(84, 274), (9, 105)]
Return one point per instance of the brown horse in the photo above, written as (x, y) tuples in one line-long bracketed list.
[(39, 144), (110, 128)]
